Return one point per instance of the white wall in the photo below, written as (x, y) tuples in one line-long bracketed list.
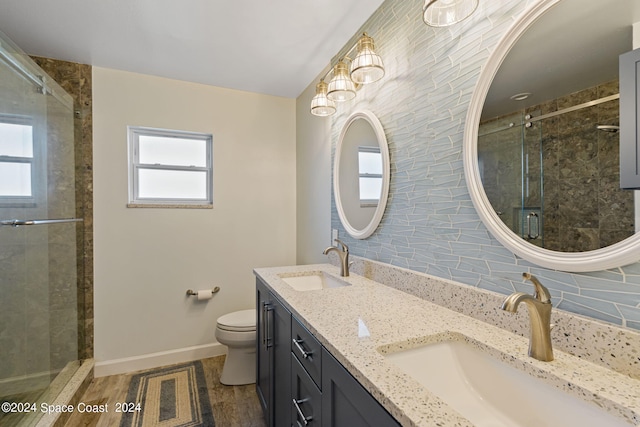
[(313, 180), (146, 259)]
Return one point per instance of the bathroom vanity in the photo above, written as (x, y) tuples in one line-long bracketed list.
[(327, 348), (299, 382)]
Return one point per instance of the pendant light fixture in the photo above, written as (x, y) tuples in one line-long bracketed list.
[(366, 67), (320, 104), (442, 13)]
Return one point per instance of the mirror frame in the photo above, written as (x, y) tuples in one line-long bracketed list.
[(384, 150), (616, 255)]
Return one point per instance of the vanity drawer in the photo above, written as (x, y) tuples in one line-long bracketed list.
[(307, 350), (306, 405)]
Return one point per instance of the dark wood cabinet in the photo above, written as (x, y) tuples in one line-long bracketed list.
[(299, 383), (273, 366), (629, 71), (345, 403), (263, 359)]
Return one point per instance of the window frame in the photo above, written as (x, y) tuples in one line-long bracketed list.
[(368, 203), (14, 200), (134, 133)]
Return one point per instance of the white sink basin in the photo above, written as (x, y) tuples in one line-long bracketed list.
[(313, 281), (491, 393)]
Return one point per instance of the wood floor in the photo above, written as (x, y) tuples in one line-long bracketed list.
[(17, 419), (233, 406)]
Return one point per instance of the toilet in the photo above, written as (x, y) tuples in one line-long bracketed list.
[(237, 331)]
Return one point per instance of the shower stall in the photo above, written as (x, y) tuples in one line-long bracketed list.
[(41, 239), (551, 171)]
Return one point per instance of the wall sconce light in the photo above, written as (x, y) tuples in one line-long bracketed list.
[(442, 13), (321, 105), (341, 87), (366, 67)]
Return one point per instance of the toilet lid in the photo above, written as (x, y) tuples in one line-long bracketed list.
[(241, 321)]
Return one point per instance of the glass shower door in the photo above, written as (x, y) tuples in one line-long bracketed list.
[(38, 256), (532, 210), (510, 163)]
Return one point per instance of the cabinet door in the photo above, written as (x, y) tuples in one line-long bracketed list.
[(306, 400), (264, 359), (273, 361), (280, 338), (345, 403), (630, 120)]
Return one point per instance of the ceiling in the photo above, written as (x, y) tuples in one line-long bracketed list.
[(277, 47), (573, 46)]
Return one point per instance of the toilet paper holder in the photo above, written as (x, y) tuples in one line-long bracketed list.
[(191, 292)]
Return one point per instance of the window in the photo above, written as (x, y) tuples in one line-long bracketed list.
[(16, 159), (168, 167), (370, 175)]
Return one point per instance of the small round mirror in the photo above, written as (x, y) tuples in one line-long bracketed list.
[(361, 174)]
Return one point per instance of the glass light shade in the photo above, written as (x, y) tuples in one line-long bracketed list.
[(442, 13), (320, 104), (341, 87), (367, 66)]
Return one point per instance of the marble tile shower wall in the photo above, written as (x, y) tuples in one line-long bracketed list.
[(430, 224), (76, 80)]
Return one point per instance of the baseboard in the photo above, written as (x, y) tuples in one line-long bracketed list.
[(154, 360)]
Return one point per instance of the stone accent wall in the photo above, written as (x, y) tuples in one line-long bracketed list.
[(76, 80)]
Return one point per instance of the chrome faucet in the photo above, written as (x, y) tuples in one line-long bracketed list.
[(344, 256), (539, 306)]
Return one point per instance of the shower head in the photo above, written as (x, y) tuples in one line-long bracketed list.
[(608, 128)]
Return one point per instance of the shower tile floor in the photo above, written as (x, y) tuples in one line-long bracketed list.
[(233, 406), (36, 397)]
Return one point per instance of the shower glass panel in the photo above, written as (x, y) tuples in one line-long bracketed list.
[(39, 260), (510, 168)]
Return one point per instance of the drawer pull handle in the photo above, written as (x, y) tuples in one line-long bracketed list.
[(297, 343), (296, 403)]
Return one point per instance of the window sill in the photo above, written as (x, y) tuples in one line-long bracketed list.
[(168, 206)]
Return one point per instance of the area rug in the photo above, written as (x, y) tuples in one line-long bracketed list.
[(175, 396)]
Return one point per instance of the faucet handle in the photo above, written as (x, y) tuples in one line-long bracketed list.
[(344, 247), (541, 293)]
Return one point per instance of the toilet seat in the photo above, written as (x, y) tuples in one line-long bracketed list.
[(238, 321)]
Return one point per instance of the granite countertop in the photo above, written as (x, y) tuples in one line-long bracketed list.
[(358, 323)]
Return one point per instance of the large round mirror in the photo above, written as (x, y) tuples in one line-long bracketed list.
[(361, 174), (541, 146)]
